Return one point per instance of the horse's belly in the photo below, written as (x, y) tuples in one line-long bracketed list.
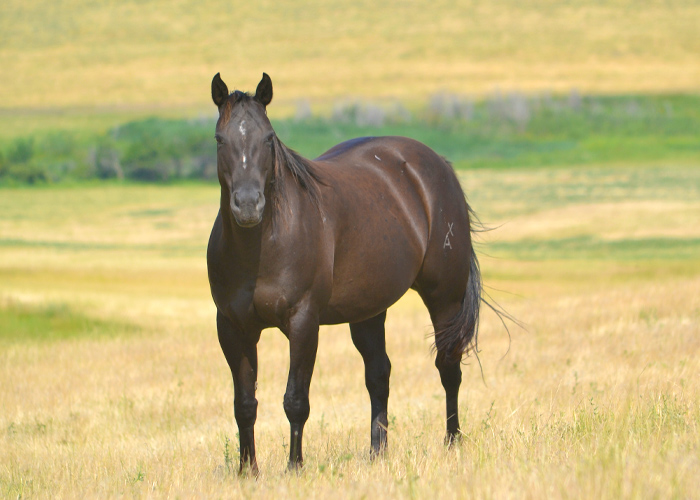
[(370, 281)]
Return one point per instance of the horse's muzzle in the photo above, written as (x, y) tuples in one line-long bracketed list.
[(247, 206)]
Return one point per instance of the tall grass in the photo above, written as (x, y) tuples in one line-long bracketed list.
[(598, 398)]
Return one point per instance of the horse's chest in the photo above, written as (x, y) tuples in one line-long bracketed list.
[(234, 299), (263, 296), (261, 302)]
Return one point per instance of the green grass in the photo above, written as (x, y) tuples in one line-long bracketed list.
[(548, 132), (75, 246), (543, 189), (54, 322), (591, 248)]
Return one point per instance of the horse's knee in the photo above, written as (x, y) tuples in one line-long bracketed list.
[(246, 412), (296, 407)]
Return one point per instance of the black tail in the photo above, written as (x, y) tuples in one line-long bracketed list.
[(461, 335)]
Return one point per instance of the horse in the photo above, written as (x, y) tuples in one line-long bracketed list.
[(299, 243)]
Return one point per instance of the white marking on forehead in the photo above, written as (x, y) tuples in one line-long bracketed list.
[(241, 129)]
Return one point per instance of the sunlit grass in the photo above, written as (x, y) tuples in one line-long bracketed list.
[(598, 398), (163, 55)]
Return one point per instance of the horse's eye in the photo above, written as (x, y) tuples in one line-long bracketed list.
[(219, 140)]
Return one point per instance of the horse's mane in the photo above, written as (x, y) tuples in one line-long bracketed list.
[(301, 169)]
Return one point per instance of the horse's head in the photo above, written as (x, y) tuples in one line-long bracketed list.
[(245, 156)]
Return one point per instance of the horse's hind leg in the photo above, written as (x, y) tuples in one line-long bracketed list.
[(447, 306), (449, 369), (369, 338), (451, 378)]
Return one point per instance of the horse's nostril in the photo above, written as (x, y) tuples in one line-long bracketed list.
[(236, 203)]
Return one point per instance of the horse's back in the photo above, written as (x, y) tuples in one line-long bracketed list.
[(410, 175)]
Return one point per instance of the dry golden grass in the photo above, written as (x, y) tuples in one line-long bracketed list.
[(597, 399), (163, 54)]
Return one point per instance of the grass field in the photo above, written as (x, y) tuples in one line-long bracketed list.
[(574, 127), (112, 382), (162, 55)]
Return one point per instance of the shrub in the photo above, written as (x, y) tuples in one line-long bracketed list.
[(27, 173), (105, 161), (22, 150)]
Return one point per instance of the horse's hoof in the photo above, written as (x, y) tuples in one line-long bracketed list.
[(248, 468), (452, 439), (377, 453), (295, 466)]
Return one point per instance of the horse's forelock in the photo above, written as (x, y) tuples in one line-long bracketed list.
[(227, 109)]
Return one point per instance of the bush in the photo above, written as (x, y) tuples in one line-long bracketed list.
[(27, 173), (59, 144), (500, 129), (22, 150), (104, 159)]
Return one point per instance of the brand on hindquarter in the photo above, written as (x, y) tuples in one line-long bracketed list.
[(447, 243)]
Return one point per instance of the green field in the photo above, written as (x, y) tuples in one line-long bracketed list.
[(113, 383), (506, 131)]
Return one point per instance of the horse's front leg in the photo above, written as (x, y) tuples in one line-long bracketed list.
[(241, 353), (303, 344)]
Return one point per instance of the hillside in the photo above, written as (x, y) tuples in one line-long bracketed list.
[(161, 55)]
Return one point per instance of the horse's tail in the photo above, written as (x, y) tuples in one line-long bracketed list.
[(460, 336)]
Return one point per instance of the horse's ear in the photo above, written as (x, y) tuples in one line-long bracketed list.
[(263, 94), (219, 90)]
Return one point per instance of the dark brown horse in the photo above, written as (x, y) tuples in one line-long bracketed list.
[(299, 243)]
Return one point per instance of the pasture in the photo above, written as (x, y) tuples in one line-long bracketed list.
[(92, 63), (112, 382), (575, 135)]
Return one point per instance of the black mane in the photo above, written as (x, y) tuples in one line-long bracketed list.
[(301, 169)]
